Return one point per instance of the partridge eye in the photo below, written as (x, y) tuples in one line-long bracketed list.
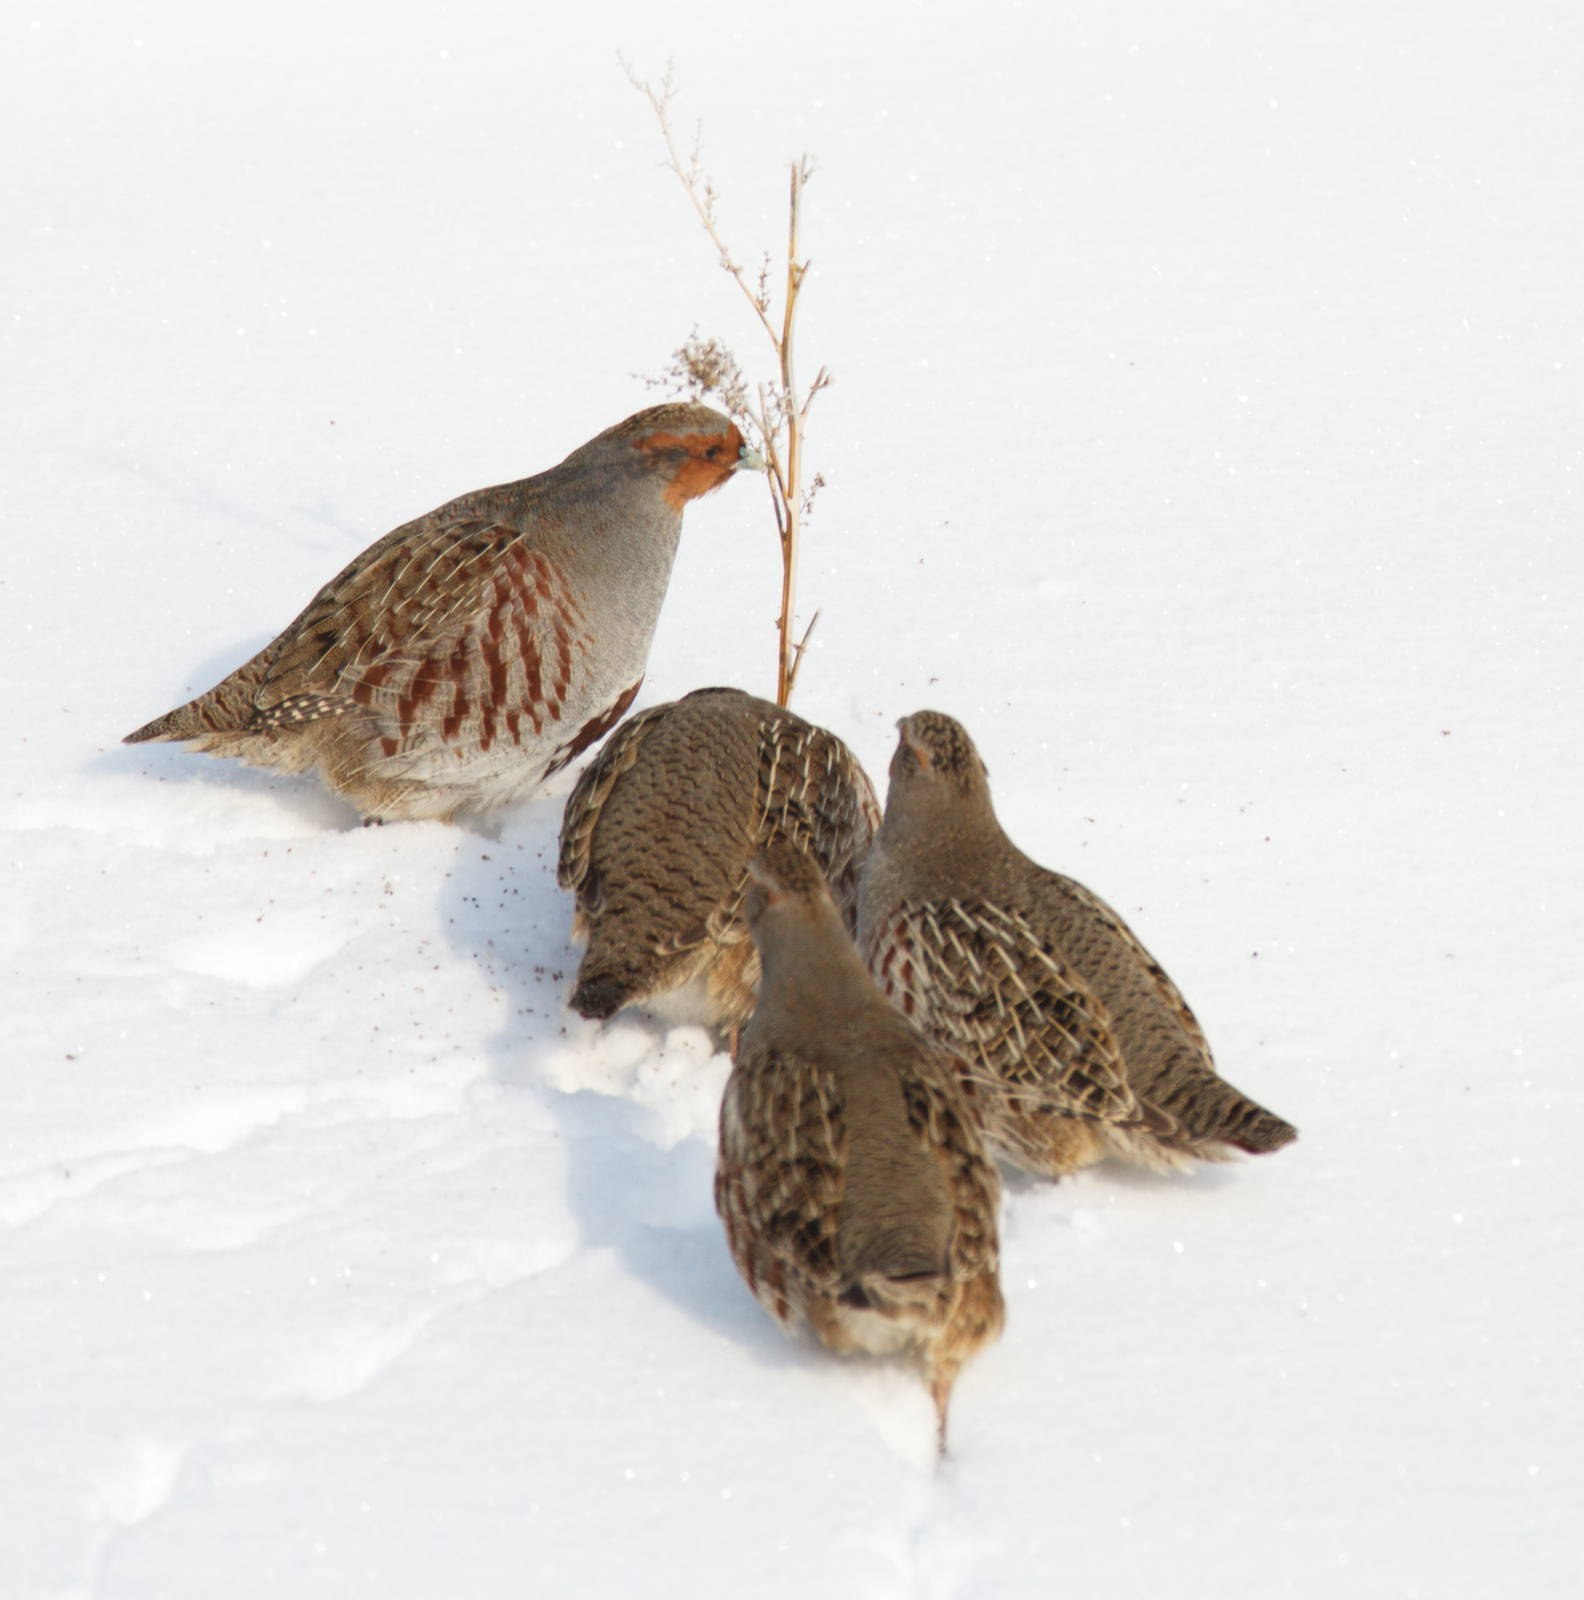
[(713, 453)]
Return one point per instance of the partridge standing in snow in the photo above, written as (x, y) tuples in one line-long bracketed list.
[(1078, 1045), (658, 835), (462, 658), (856, 1192)]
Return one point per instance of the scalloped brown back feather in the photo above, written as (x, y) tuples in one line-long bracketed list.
[(462, 658), (657, 838)]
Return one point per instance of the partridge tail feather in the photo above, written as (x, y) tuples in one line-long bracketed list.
[(1259, 1131), (225, 710), (182, 723), (1213, 1119)]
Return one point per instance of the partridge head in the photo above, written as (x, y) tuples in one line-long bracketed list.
[(855, 1189), (462, 658), (1075, 1042)]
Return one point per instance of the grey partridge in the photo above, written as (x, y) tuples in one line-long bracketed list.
[(658, 835), (853, 1182), (465, 656), (1077, 1044)]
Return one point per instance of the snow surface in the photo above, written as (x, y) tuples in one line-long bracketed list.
[(1206, 434)]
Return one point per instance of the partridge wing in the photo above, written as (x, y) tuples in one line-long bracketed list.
[(1129, 950), (944, 1125), (587, 801), (983, 984), (779, 1184), (453, 635)]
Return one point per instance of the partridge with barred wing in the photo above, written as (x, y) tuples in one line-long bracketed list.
[(658, 835), (856, 1192), (465, 656), (1077, 1044)]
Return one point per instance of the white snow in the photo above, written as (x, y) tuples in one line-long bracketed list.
[(1206, 434)]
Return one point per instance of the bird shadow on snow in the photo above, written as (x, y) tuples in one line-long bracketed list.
[(1202, 1177), (303, 799), (633, 1187), (1079, 1203)]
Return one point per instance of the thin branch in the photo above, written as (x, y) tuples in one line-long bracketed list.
[(797, 655), (700, 189), (707, 367)]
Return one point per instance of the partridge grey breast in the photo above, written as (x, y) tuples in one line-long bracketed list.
[(854, 1185), (658, 835), (1077, 1044), (465, 656)]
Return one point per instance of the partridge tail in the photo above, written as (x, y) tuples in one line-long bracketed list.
[(1213, 1118), (173, 725), (223, 710), (1259, 1131), (182, 723)]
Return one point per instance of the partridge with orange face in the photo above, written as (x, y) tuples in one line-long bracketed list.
[(465, 656), (1076, 1044)]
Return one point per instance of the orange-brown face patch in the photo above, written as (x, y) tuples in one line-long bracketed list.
[(708, 460)]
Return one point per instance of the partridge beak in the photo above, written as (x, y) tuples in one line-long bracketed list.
[(748, 460)]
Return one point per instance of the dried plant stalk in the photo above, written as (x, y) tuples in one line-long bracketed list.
[(775, 417)]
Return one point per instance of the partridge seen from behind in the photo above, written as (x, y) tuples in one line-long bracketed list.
[(1077, 1044), (465, 656), (658, 835), (856, 1192)]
